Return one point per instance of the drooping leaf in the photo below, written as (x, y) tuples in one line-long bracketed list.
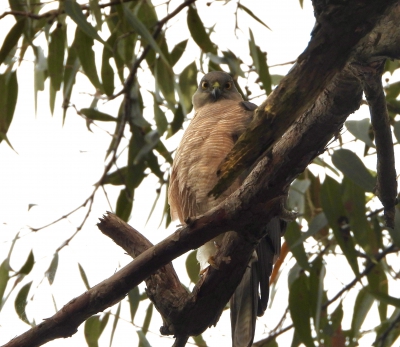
[(146, 13), (188, 86), (143, 342), (200, 341), (8, 100), (92, 331), (4, 277), (360, 129), (28, 266), (378, 283), (299, 306), (251, 14), (83, 44), (198, 32), (51, 271), (159, 117), (73, 10), (331, 200), (21, 302), (107, 72), (55, 59), (192, 267), (12, 39), (116, 319), (154, 165), (83, 276), (124, 204), (362, 306), (386, 299), (317, 293), (317, 223), (162, 150), (71, 69), (354, 203), (292, 235), (320, 162), (141, 29), (391, 65), (352, 167), (95, 11), (177, 52), (147, 319), (40, 71), (151, 139), (97, 115), (133, 298), (260, 63), (165, 82), (177, 122)]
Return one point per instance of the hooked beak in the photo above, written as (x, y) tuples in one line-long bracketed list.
[(216, 92)]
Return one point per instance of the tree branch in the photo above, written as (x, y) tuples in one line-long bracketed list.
[(386, 189), (339, 29)]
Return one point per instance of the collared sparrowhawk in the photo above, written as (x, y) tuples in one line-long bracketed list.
[(221, 116)]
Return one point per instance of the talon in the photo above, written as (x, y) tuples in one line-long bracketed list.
[(212, 263)]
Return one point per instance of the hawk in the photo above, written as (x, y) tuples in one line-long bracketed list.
[(221, 116)]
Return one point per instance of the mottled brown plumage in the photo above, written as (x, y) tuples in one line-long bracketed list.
[(220, 118)]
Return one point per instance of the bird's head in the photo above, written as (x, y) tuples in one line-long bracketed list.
[(214, 86)]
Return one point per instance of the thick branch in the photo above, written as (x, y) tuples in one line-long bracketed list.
[(386, 188), (339, 29), (163, 286)]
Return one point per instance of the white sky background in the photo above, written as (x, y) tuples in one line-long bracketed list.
[(56, 166)]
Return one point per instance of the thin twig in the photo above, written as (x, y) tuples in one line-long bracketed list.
[(382, 338), (367, 270)]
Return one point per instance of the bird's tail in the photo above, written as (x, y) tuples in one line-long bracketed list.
[(244, 304), (250, 298)]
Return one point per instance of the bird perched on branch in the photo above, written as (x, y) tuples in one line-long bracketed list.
[(221, 116)]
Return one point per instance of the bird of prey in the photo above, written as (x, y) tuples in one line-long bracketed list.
[(220, 118)]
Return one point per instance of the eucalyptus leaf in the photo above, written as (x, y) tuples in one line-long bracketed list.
[(352, 167), (198, 32), (55, 59), (12, 38), (360, 130), (74, 10), (192, 266), (21, 302), (51, 271), (299, 307), (28, 266), (83, 276)]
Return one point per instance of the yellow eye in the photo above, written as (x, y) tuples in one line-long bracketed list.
[(228, 85), (204, 85)]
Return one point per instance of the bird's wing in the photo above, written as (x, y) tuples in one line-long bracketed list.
[(206, 142)]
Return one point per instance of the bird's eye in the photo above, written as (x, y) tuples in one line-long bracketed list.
[(204, 85), (228, 85)]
